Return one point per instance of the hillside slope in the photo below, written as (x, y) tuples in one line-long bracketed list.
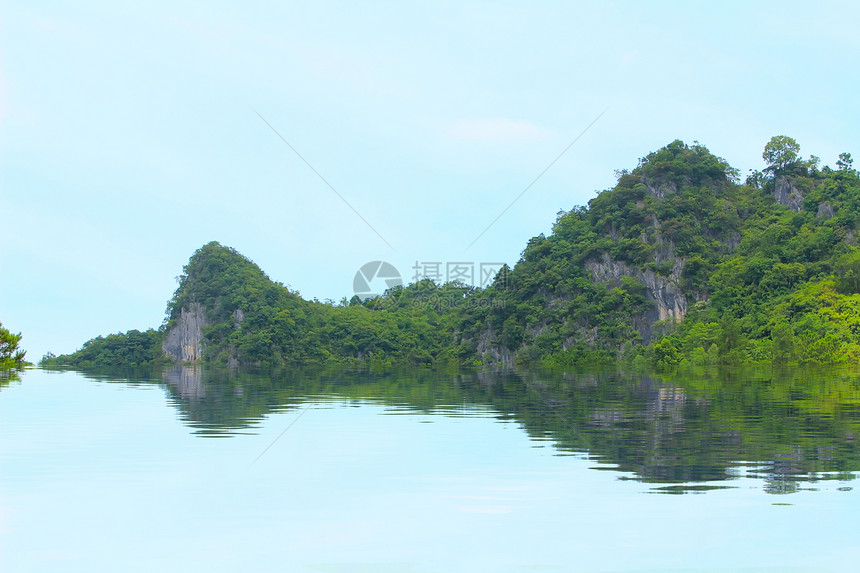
[(679, 261)]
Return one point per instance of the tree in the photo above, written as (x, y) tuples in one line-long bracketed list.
[(847, 269), (780, 152), (845, 162), (10, 355), (756, 179), (783, 342), (666, 353)]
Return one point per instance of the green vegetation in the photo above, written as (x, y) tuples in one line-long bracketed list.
[(678, 266), (780, 152), (128, 349), (10, 355), (256, 321)]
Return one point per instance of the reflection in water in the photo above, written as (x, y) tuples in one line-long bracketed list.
[(788, 429), (187, 381), (9, 375)]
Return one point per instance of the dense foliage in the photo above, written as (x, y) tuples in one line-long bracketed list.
[(10, 355), (680, 264), (768, 270), (129, 349), (789, 291), (666, 222)]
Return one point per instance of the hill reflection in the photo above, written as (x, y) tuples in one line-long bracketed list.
[(789, 429)]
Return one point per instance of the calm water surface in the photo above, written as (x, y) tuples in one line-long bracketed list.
[(206, 470)]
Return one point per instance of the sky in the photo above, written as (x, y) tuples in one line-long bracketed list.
[(315, 137)]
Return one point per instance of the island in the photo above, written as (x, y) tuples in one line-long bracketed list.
[(681, 264)]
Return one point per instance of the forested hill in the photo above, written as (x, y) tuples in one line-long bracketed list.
[(679, 264)]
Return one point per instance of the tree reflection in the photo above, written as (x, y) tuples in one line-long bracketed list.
[(786, 428), (9, 375)]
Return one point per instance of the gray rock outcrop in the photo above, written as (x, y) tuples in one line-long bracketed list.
[(825, 211), (489, 345), (661, 189), (787, 194), (184, 340), (664, 292)]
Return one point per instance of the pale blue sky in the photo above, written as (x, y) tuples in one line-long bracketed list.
[(128, 136)]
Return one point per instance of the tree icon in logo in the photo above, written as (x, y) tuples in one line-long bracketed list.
[(374, 278)]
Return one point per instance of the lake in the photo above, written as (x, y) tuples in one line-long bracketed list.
[(195, 469)]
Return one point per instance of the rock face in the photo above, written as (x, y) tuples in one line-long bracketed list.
[(669, 301), (238, 317), (825, 211), (488, 345), (660, 190), (184, 340), (787, 194)]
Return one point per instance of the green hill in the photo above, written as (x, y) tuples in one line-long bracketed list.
[(680, 263)]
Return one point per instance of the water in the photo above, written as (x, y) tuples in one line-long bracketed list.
[(204, 470)]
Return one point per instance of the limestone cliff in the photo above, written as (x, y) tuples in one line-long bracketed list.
[(665, 294), (489, 346), (787, 194), (184, 340)]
